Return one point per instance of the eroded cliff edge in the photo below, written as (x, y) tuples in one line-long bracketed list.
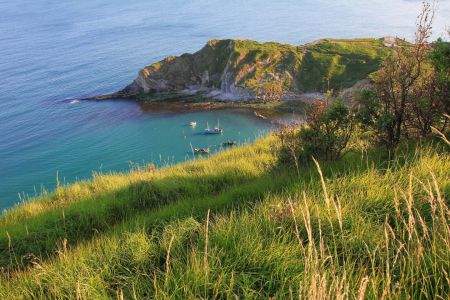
[(244, 69)]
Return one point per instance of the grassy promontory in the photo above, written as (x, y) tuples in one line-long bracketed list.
[(249, 69), (262, 76), (240, 225), (245, 70)]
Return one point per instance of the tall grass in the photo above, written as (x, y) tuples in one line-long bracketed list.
[(362, 228), (79, 211)]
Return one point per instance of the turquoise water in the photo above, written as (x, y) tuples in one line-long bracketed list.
[(54, 52)]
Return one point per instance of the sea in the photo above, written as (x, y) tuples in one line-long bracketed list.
[(53, 53)]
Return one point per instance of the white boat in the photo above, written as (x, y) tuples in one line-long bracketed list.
[(193, 123)]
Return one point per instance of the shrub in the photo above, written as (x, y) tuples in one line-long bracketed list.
[(329, 125), (440, 58), (290, 141), (409, 96)]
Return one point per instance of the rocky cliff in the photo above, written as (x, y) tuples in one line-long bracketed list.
[(244, 69)]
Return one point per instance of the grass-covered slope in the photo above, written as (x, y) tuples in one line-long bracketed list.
[(239, 226), (269, 70)]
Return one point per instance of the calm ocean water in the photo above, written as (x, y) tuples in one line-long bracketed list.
[(54, 52)]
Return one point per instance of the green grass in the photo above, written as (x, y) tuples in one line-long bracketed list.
[(342, 62), (240, 226)]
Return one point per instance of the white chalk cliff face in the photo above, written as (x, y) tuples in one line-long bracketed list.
[(243, 69)]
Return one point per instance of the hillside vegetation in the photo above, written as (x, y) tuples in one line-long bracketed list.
[(249, 69), (239, 225), (353, 204)]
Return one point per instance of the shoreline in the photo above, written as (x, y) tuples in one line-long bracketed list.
[(180, 102)]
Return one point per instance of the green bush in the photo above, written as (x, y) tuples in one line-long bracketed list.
[(329, 125), (411, 90)]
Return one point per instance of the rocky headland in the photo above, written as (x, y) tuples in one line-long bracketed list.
[(244, 70)]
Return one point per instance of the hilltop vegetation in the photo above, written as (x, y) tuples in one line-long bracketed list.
[(248, 69)]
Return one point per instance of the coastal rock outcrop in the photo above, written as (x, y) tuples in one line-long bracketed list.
[(244, 69)]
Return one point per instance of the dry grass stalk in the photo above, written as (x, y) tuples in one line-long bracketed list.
[(307, 221), (9, 240), (78, 291), (362, 288), (168, 256), (441, 135), (297, 234), (206, 246), (327, 200)]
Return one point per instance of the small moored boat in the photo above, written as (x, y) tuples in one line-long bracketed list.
[(193, 123), (215, 130), (202, 150), (229, 143)]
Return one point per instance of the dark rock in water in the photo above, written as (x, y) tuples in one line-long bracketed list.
[(133, 88)]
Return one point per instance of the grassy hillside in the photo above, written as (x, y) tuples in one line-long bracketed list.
[(239, 225), (267, 70), (341, 62)]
